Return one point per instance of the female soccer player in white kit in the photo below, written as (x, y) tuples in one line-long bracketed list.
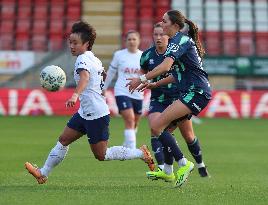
[(92, 117), (126, 63)]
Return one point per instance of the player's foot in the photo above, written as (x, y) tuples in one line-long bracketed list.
[(35, 171), (160, 174), (203, 172), (147, 157), (183, 173)]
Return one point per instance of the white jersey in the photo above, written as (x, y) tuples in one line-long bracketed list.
[(92, 102), (128, 66)]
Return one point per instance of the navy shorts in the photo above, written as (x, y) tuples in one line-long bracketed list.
[(125, 102), (97, 130), (156, 106), (194, 101)]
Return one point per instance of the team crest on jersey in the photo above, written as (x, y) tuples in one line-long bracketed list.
[(151, 61)]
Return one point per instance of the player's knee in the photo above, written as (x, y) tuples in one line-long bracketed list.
[(155, 130), (64, 140)]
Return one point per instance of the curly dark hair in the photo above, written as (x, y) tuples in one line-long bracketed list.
[(86, 32)]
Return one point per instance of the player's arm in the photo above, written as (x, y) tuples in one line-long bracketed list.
[(81, 85), (164, 81)]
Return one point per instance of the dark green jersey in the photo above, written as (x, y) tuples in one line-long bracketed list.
[(164, 94)]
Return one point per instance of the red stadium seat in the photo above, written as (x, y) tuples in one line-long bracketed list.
[(230, 45), (56, 26), (246, 46), (130, 25), (146, 42), (7, 27), (262, 43), (39, 43), (128, 3), (6, 42), (40, 12), (165, 4), (212, 44), (57, 11), (74, 2), (8, 11), (55, 42), (146, 3), (22, 42), (24, 3), (146, 13), (23, 26), (39, 26), (159, 14), (130, 13), (24, 11), (73, 13), (146, 28)]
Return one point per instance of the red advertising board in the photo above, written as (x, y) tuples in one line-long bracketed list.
[(230, 104)]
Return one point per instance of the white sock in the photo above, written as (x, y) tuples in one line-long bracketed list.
[(161, 166), (200, 165), (168, 169), (122, 153), (130, 138), (182, 162), (55, 156)]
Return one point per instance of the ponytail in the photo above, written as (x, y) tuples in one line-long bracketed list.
[(193, 33)]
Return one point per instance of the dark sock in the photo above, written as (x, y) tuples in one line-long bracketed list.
[(195, 150), (168, 156), (169, 141), (157, 149)]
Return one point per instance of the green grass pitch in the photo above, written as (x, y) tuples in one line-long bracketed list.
[(235, 152)]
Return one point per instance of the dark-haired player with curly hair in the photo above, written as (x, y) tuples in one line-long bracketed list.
[(92, 117)]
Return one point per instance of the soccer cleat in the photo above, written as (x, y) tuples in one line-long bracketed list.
[(203, 172), (35, 171), (183, 173), (147, 157), (160, 174)]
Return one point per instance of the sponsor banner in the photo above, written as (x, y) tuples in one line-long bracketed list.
[(229, 104), (236, 65), (15, 62)]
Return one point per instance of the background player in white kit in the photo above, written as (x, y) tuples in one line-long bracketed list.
[(126, 63), (92, 117)]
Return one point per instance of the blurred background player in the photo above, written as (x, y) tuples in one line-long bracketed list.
[(126, 63), (183, 58), (92, 117), (161, 98)]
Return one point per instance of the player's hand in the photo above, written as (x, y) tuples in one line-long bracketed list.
[(142, 87), (71, 102), (133, 84)]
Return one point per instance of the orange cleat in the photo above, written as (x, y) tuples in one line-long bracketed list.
[(35, 171), (147, 157)]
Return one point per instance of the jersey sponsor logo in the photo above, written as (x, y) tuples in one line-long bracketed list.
[(151, 61), (172, 47), (131, 70)]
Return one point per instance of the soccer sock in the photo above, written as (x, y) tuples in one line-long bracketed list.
[(169, 141), (130, 138), (122, 153), (182, 162), (168, 157), (168, 169), (158, 151), (195, 150), (55, 156)]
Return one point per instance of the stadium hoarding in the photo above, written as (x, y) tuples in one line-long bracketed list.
[(15, 62), (240, 66), (228, 104)]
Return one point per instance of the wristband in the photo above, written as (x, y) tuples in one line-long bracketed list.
[(143, 78)]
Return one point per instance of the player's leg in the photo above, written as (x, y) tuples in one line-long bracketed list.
[(186, 129), (70, 133), (125, 108), (176, 110), (137, 108), (98, 135)]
